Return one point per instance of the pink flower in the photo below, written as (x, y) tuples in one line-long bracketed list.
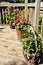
[(23, 23), (9, 6), (15, 10), (5, 12), (16, 21)]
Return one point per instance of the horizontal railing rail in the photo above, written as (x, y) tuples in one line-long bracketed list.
[(20, 4)]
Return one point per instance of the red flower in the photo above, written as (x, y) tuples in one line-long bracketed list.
[(16, 21), (15, 10), (23, 23)]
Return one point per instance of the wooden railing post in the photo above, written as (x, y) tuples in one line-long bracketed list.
[(37, 10), (31, 16), (26, 5)]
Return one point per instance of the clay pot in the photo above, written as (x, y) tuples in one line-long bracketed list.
[(19, 33)]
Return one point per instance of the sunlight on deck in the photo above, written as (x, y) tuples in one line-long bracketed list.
[(10, 48)]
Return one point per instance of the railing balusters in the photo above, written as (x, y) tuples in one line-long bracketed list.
[(1, 15), (4, 16), (26, 5)]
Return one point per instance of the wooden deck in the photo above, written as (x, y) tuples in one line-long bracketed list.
[(10, 48)]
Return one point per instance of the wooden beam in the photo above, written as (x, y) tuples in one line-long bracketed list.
[(37, 10), (26, 5), (12, 4), (31, 5)]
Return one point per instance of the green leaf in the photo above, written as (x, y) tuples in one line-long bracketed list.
[(32, 49)]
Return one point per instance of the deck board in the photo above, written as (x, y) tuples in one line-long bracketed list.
[(10, 47)]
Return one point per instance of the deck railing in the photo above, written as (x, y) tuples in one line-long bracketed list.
[(26, 4)]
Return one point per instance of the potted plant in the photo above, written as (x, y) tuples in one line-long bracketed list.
[(20, 26), (11, 14), (32, 47)]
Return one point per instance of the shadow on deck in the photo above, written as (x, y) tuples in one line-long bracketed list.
[(41, 62)]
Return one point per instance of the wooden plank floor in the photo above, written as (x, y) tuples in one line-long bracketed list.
[(10, 48)]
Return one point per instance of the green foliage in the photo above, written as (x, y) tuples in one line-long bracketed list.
[(39, 44), (28, 41), (22, 24), (42, 48), (28, 44), (11, 14), (40, 21), (30, 1), (28, 34), (22, 1), (18, 25)]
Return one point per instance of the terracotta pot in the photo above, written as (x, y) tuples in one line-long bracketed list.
[(19, 33)]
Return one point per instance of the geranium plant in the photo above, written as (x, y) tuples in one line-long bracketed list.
[(11, 14), (21, 24)]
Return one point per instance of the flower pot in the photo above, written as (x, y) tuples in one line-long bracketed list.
[(29, 57), (12, 27), (32, 58), (19, 33)]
